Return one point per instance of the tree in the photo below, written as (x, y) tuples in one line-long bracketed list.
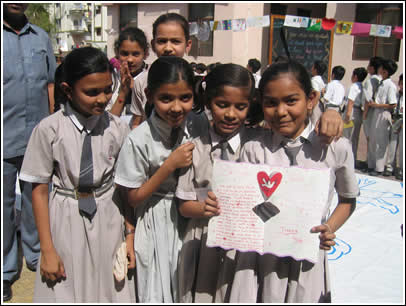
[(38, 14)]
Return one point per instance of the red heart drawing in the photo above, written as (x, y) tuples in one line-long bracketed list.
[(268, 184), (328, 24)]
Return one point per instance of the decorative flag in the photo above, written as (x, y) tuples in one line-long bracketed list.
[(398, 32), (327, 24), (344, 27), (292, 21), (315, 25), (239, 25), (361, 29), (204, 31), (258, 22), (304, 22), (380, 30), (226, 24), (193, 29)]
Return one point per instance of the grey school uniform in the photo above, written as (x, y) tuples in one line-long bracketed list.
[(207, 274), (86, 248), (157, 239), (282, 279)]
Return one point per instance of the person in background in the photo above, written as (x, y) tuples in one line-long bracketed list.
[(370, 87), (395, 148), (333, 95), (384, 103), (254, 67), (353, 109), (132, 50), (201, 69), (28, 96), (170, 34), (317, 71)]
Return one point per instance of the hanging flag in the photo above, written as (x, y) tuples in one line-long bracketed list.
[(398, 32), (239, 25), (204, 31), (292, 21), (304, 22), (344, 27), (380, 30), (360, 29), (327, 24), (258, 22), (226, 24), (193, 29), (315, 25)]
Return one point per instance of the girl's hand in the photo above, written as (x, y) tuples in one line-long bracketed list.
[(182, 156), (51, 266), (129, 241), (211, 206), (127, 81), (326, 236), (330, 126)]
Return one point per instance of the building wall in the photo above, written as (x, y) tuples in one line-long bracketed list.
[(239, 47), (343, 43)]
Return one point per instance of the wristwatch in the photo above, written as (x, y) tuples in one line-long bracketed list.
[(129, 231)]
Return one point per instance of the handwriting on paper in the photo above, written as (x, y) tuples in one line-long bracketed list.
[(268, 213)]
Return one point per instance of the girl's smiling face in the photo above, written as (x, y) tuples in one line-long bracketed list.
[(170, 40), (229, 109), (90, 95), (286, 107), (172, 102), (132, 53)]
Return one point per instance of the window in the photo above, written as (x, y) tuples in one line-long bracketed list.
[(386, 14), (128, 15), (201, 12), (278, 9), (76, 22), (98, 31), (98, 9)]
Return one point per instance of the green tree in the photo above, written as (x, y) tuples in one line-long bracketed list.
[(38, 14)]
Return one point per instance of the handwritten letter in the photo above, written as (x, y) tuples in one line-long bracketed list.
[(268, 209)]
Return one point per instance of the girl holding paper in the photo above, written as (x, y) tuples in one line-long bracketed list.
[(287, 101), (212, 274)]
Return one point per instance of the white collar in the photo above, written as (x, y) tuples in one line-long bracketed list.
[(81, 122), (234, 141)]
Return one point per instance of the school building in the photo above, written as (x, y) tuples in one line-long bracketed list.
[(254, 42)]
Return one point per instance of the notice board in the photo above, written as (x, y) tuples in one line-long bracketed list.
[(304, 46)]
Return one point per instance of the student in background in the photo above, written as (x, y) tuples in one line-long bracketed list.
[(254, 66), (201, 69), (370, 86), (353, 109), (395, 148), (317, 71), (384, 103), (132, 50), (170, 34), (287, 100), (335, 91)]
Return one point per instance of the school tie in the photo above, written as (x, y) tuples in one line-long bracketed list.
[(174, 136), (376, 90), (224, 147), (292, 149), (87, 205)]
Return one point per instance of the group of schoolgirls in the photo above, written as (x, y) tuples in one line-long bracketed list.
[(146, 180)]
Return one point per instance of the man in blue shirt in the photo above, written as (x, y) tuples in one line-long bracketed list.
[(28, 76)]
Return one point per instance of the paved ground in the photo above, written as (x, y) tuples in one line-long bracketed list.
[(23, 288)]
